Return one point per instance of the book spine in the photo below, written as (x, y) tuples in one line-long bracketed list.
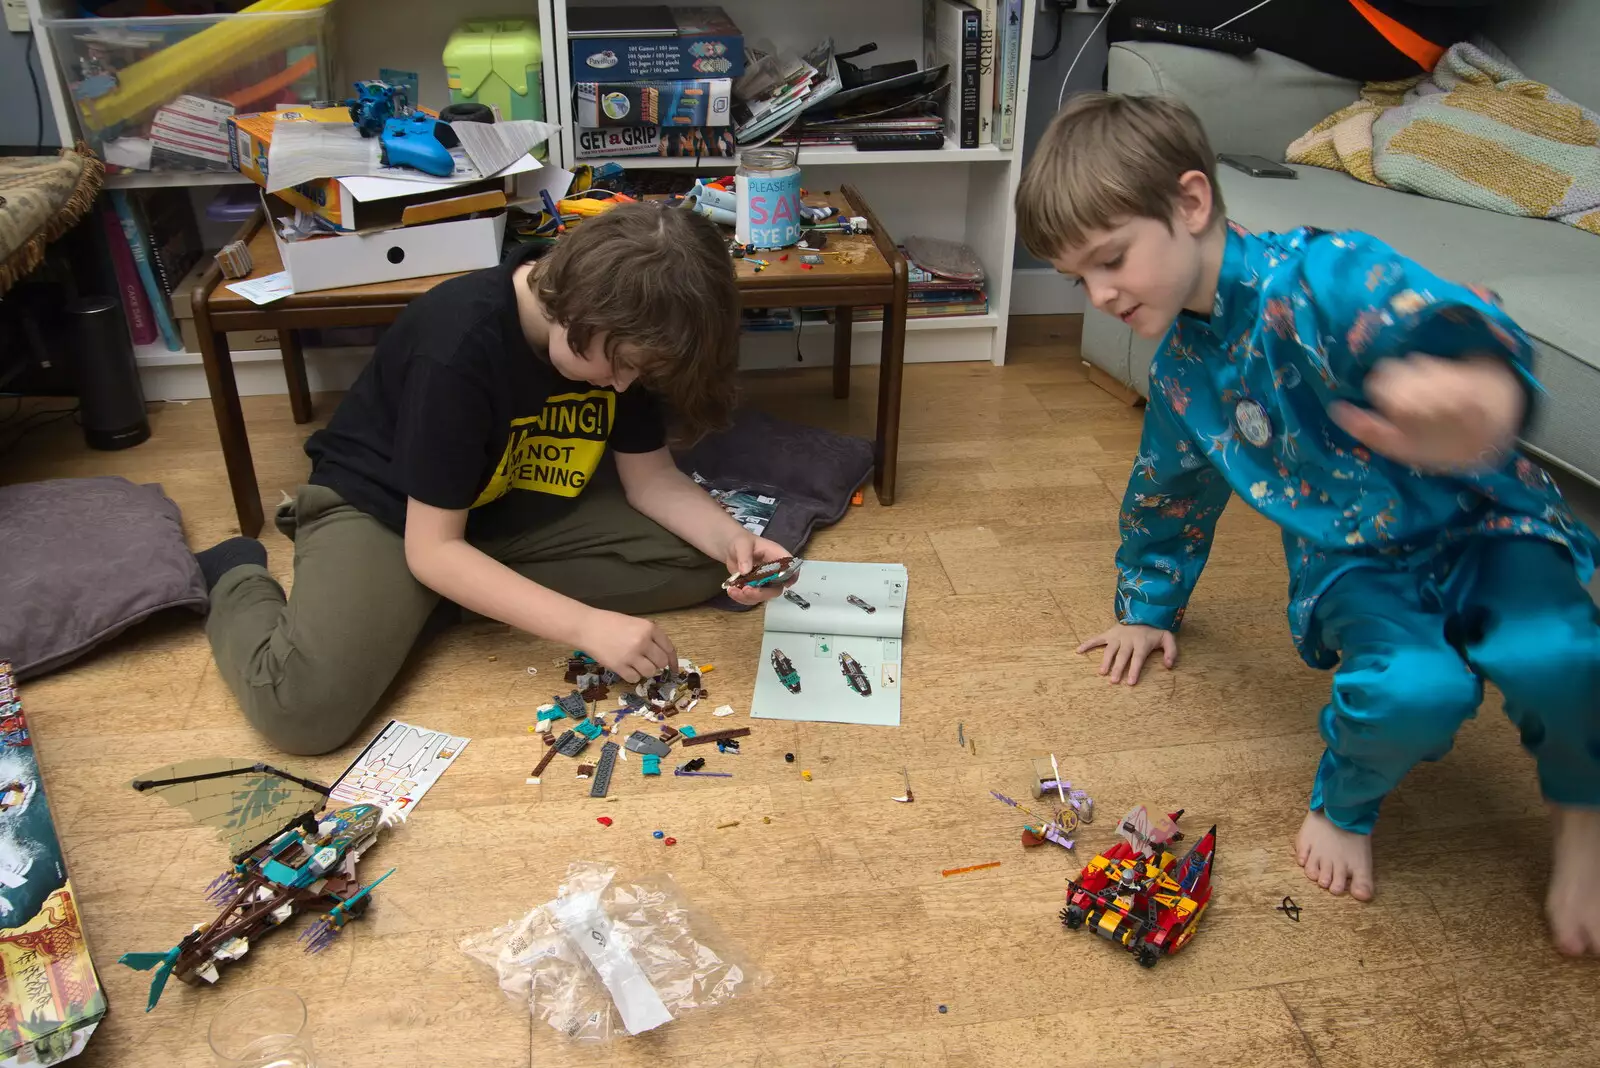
[(141, 326), (1013, 73), (139, 247), (988, 52), (971, 48)]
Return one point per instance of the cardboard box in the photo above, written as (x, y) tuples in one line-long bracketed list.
[(50, 997), (356, 259), (706, 102), (706, 44), (249, 137)]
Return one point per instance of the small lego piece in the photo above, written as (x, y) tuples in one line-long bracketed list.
[(544, 762), (766, 819), (690, 738), (585, 770), (671, 841), (1289, 909), (788, 758), (604, 821), (943, 1009), (669, 733), (688, 733), (970, 867), (573, 704), (589, 729), (694, 764), (806, 775), (640, 742), (571, 744), (909, 797), (602, 774), (725, 826), (961, 738), (550, 712), (723, 710), (650, 764), (658, 834), (730, 746)]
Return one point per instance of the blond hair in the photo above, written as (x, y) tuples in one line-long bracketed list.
[(1106, 158)]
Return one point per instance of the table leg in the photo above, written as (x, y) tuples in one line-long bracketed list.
[(843, 328), (294, 369), (890, 371), (224, 389)]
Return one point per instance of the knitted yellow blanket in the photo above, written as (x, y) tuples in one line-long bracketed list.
[(1476, 132)]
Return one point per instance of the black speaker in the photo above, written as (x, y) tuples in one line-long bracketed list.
[(110, 397)]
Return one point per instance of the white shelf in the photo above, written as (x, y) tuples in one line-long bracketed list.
[(822, 156), (173, 179)]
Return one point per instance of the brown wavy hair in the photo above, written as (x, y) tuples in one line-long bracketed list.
[(659, 280)]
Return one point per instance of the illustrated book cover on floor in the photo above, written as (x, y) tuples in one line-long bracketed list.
[(50, 997), (830, 651)]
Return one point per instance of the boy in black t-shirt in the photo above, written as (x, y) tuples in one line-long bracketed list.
[(494, 456)]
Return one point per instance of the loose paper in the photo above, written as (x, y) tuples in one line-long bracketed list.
[(399, 766), (266, 289)]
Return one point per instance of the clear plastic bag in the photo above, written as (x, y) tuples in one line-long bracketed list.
[(609, 958)]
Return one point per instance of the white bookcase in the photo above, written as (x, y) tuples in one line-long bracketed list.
[(960, 194)]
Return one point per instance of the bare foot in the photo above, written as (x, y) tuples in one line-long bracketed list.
[(1336, 859), (1573, 906)]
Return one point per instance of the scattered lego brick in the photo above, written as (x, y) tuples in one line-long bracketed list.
[(713, 736)]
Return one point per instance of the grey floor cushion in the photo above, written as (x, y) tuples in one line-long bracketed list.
[(811, 471), (83, 559)]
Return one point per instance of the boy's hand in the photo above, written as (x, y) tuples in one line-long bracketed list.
[(1128, 645), (746, 551), (633, 648), (1438, 415)]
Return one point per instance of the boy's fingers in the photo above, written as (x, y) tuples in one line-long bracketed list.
[(1373, 431), (1092, 643), (1109, 658), (1124, 654), (1134, 665), (1169, 646)]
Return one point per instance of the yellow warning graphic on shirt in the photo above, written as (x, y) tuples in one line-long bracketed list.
[(557, 450)]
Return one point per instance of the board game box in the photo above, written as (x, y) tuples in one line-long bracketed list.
[(49, 994)]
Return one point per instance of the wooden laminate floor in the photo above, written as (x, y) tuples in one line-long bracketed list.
[(1009, 486)]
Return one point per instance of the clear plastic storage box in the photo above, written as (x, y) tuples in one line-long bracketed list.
[(155, 94)]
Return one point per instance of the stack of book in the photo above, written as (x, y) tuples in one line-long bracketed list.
[(652, 80), (154, 241), (981, 42), (944, 289)]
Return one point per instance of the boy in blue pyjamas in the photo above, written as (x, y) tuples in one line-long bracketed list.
[(1370, 409)]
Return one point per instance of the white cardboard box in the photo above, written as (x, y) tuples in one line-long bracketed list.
[(339, 260)]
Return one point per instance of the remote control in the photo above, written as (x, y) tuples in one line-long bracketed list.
[(1237, 44), (890, 142)]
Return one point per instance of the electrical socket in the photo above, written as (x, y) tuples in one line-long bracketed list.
[(17, 16)]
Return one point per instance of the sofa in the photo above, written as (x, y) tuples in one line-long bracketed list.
[(1547, 273)]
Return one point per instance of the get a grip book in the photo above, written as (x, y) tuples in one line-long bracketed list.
[(837, 637)]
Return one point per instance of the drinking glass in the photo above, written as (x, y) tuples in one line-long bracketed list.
[(263, 1028)]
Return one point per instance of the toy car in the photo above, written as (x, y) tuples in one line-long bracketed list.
[(1138, 894), (772, 573)]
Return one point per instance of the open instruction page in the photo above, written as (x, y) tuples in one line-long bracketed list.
[(830, 651)]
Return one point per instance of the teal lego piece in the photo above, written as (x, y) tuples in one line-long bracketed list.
[(551, 712), (650, 765), (687, 731), (589, 729)]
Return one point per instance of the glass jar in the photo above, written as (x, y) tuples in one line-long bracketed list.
[(768, 187)]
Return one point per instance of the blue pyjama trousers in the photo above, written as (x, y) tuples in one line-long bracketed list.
[(1415, 647)]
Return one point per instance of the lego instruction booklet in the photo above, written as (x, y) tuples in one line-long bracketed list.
[(831, 646)]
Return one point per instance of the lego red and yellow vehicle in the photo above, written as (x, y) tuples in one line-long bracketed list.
[(1139, 894)]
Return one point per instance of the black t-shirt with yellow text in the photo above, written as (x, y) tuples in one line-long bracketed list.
[(457, 410)]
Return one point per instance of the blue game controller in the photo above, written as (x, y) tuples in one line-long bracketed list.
[(411, 142)]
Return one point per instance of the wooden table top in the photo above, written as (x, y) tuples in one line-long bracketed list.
[(847, 259)]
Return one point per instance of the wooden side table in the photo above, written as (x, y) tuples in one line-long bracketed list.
[(868, 272)]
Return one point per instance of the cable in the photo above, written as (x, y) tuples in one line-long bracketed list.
[(32, 422), (1061, 18), (38, 98), (1062, 96), (1242, 14)]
